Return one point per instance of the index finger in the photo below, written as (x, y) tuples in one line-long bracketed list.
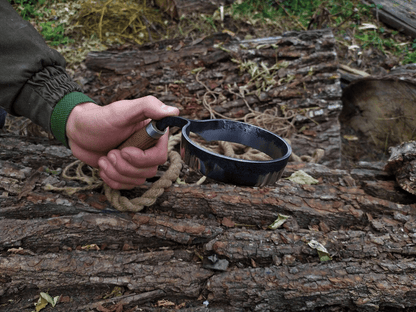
[(153, 156)]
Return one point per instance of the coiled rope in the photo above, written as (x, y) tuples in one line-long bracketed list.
[(171, 175), (119, 202), (122, 203)]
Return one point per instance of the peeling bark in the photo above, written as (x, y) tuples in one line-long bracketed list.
[(307, 81), (80, 247)]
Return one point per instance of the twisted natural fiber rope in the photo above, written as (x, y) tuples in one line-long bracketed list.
[(122, 203), (113, 196), (93, 181), (148, 198), (269, 119), (230, 149), (281, 123)]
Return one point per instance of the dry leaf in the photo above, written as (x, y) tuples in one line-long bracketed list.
[(367, 26), (30, 184), (90, 247), (322, 252), (42, 303), (278, 222), (228, 222), (350, 137), (165, 303), (119, 307), (180, 306), (302, 177), (20, 251), (311, 133), (102, 309), (44, 299)]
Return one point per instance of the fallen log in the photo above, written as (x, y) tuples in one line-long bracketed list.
[(179, 8), (381, 108), (293, 79), (399, 15), (79, 247)]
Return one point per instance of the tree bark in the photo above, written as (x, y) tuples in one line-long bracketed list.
[(49, 241), (180, 8), (296, 73), (209, 247)]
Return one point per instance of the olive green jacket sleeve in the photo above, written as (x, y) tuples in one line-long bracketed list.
[(33, 79)]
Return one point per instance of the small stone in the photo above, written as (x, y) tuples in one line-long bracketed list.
[(61, 201), (400, 217), (52, 180), (411, 226), (219, 265), (288, 260), (276, 260)]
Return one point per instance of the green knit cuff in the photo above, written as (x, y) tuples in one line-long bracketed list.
[(61, 113)]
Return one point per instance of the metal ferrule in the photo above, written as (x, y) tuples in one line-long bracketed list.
[(153, 131)]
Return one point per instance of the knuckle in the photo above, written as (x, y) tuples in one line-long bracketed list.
[(139, 181), (150, 98), (150, 173)]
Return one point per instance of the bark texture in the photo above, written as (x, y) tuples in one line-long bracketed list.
[(50, 241), (296, 72), (209, 247)]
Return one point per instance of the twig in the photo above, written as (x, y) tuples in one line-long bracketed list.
[(354, 71), (153, 26), (124, 300)]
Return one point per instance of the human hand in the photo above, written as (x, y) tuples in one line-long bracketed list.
[(94, 132)]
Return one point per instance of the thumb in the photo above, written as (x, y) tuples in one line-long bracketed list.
[(147, 107)]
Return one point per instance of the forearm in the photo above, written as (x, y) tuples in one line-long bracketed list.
[(32, 75)]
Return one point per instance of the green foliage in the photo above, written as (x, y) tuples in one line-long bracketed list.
[(27, 8), (336, 12), (410, 54), (210, 20), (256, 9), (410, 58), (78, 25), (345, 17), (55, 21), (33, 11), (54, 33), (303, 10)]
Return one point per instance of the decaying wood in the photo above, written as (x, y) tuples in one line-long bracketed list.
[(180, 8), (399, 14), (188, 73), (79, 247), (402, 163), (382, 108)]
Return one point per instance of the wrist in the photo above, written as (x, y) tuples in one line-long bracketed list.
[(63, 110)]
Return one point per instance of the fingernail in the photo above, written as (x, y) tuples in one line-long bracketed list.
[(112, 158), (103, 164), (169, 109)]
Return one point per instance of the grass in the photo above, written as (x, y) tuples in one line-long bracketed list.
[(71, 26), (346, 18), (54, 20), (35, 10), (27, 8)]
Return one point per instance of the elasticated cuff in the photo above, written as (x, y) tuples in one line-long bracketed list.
[(61, 113)]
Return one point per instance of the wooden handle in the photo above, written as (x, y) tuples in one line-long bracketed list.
[(144, 138)]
